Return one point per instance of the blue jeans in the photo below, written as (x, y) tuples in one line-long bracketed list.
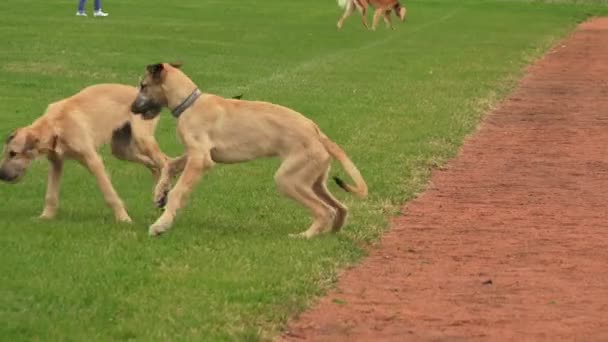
[(82, 2)]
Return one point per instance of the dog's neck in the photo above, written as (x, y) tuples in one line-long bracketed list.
[(47, 138), (184, 105), (179, 90)]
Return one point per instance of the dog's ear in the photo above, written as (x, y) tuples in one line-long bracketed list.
[(176, 64), (31, 142), (55, 145), (11, 137), (155, 69)]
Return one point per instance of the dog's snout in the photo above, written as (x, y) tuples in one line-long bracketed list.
[(5, 176), (10, 174), (145, 107), (135, 108), (138, 105)]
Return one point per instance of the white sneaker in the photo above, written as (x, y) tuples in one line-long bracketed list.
[(100, 13), (81, 14)]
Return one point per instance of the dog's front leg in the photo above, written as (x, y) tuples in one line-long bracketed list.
[(196, 164), (51, 200), (171, 169), (92, 161), (161, 162), (377, 15)]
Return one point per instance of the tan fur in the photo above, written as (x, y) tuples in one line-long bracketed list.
[(218, 130), (75, 128), (382, 8)]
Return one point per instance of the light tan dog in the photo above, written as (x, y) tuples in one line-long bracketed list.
[(218, 130), (75, 128), (383, 9)]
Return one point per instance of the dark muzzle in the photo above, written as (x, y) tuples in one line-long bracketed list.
[(146, 108), (7, 177)]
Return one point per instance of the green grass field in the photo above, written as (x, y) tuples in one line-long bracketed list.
[(398, 102)]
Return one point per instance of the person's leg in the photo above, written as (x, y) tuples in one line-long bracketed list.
[(81, 5), (98, 12)]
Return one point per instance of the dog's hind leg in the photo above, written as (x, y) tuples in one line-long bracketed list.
[(295, 178), (92, 161), (51, 199), (362, 7), (320, 188)]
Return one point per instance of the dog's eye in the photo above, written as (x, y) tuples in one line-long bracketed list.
[(142, 86), (12, 154)]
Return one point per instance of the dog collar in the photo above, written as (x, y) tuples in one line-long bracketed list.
[(177, 111)]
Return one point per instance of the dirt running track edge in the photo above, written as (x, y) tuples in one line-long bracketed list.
[(510, 242)]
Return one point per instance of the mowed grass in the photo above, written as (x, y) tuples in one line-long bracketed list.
[(400, 103)]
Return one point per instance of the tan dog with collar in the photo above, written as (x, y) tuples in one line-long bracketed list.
[(218, 130), (75, 128)]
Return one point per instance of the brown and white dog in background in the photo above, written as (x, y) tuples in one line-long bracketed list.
[(383, 8)]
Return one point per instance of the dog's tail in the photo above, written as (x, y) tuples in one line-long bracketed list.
[(338, 153), (343, 3)]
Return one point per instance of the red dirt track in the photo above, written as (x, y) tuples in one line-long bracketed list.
[(524, 205)]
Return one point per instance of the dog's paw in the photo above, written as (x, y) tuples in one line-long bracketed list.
[(124, 218), (46, 216), (154, 232), (300, 236), (158, 228)]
